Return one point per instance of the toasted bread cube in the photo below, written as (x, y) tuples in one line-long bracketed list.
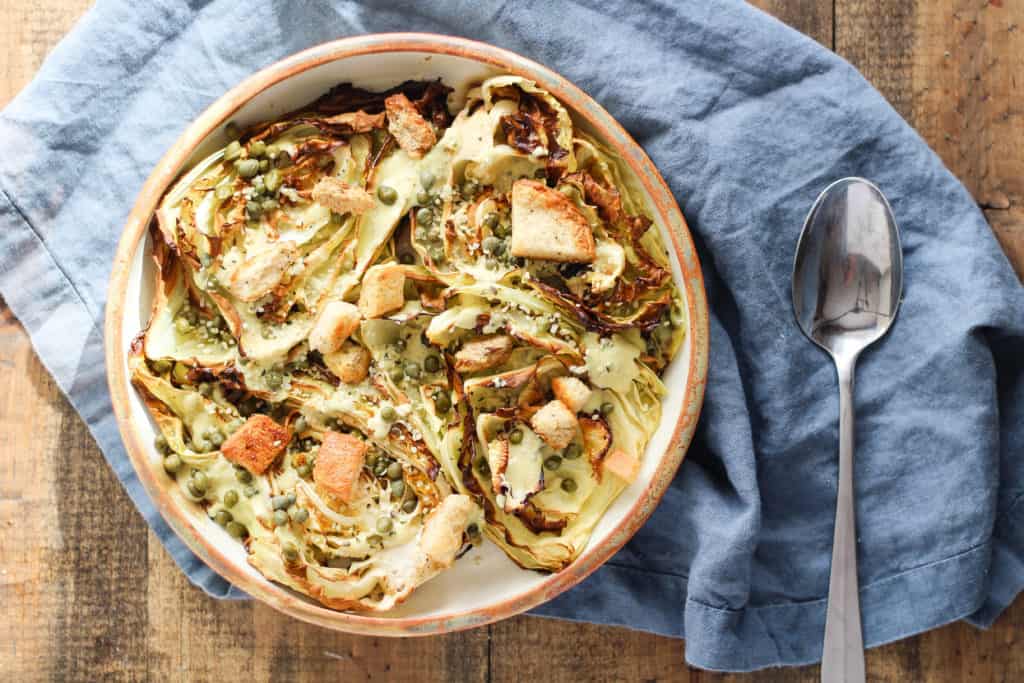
[(571, 391), (412, 132), (351, 363), (383, 291), (483, 353), (339, 463), (497, 460), (357, 121), (336, 323), (257, 443), (259, 274), (339, 196), (442, 531), (622, 464), (547, 225), (555, 424)]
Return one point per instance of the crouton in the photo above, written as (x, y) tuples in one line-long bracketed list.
[(622, 465), (442, 531), (555, 424), (339, 463), (336, 323), (411, 130), (571, 391), (259, 274), (547, 225), (350, 363), (339, 196), (483, 353), (257, 443), (357, 121), (383, 291)]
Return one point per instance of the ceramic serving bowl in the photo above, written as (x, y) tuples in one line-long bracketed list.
[(484, 586)]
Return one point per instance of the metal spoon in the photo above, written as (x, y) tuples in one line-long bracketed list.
[(847, 283)]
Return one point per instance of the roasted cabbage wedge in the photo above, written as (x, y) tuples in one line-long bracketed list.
[(382, 332)]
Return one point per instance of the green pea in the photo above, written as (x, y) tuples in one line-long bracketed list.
[(244, 476), (230, 498), (409, 505), (396, 374), (257, 148), (223, 192), (381, 467), (375, 541), (303, 471), (607, 408), (290, 552), (421, 235), (282, 159), (503, 230), (162, 365), (250, 490), (568, 485), (388, 414), (473, 530), (232, 151), (398, 488), (424, 216), (427, 179), (384, 525), (200, 479), (492, 245), (572, 451), (160, 443), (172, 463), (253, 209), (270, 205), (279, 502), (272, 180), (215, 438), (387, 194), (232, 130), (422, 197), (247, 168), (491, 221), (237, 530), (412, 369), (290, 499), (395, 471), (195, 491), (443, 403), (274, 379), (264, 164), (432, 363), (182, 326), (553, 463), (516, 436), (299, 515), (280, 518), (223, 517)]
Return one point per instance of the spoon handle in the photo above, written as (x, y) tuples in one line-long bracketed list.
[(842, 659)]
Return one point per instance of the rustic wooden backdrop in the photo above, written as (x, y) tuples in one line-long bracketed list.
[(88, 594)]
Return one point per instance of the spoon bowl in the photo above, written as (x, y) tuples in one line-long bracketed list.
[(847, 284)]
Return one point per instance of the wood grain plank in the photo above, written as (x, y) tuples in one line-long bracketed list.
[(814, 18)]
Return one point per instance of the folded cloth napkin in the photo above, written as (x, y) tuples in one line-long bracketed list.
[(748, 121)]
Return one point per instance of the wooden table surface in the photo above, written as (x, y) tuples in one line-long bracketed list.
[(87, 592)]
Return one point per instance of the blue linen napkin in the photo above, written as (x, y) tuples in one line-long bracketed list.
[(748, 121)]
